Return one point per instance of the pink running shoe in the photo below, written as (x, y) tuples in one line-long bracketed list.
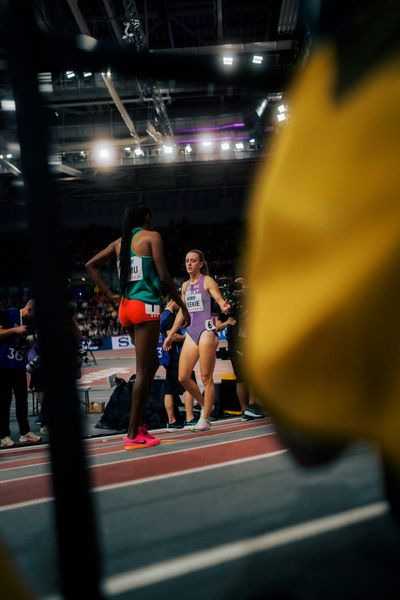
[(143, 429), (140, 441)]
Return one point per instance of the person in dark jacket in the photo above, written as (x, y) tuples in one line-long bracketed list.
[(13, 359)]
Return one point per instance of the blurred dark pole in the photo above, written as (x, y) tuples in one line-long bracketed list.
[(79, 564)]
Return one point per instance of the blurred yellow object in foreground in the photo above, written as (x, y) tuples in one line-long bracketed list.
[(13, 585), (323, 344)]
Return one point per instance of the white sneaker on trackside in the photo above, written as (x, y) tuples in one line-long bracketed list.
[(202, 425), (7, 442), (30, 438)]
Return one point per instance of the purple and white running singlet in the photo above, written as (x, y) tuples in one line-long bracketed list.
[(198, 303)]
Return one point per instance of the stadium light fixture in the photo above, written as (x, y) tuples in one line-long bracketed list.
[(206, 145), (104, 154), (261, 107), (8, 105)]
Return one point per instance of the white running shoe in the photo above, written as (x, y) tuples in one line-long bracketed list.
[(7, 442), (202, 425)]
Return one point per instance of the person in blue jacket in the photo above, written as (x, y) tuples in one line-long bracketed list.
[(13, 360)]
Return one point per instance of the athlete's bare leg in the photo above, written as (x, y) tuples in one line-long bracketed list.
[(242, 394), (169, 407), (188, 357), (207, 353), (188, 400), (145, 336)]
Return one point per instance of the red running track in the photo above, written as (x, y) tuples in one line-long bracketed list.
[(138, 466)]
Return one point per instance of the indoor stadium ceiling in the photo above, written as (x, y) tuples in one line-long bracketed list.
[(138, 110)]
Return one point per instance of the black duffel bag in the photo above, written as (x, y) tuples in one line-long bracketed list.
[(118, 409)]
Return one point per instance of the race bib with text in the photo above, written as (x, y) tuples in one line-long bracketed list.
[(136, 268), (152, 309), (194, 302), (209, 325)]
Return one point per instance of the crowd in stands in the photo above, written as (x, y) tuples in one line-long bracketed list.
[(221, 244), (96, 317)]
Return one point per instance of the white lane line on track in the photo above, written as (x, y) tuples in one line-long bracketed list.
[(26, 504), (105, 441), (219, 424), (149, 479), (211, 557), (152, 478), (181, 450), (131, 459), (21, 449), (100, 440), (225, 553), (111, 447), (20, 458)]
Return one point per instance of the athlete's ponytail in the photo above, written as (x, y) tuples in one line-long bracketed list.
[(204, 268), (134, 216)]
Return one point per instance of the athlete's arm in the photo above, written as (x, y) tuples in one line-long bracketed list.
[(168, 286), (93, 267), (177, 337), (211, 286), (178, 323), (221, 325), (5, 333)]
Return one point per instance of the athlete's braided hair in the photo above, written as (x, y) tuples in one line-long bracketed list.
[(134, 216), (204, 268)]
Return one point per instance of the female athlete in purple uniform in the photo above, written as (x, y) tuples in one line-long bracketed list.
[(201, 340)]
